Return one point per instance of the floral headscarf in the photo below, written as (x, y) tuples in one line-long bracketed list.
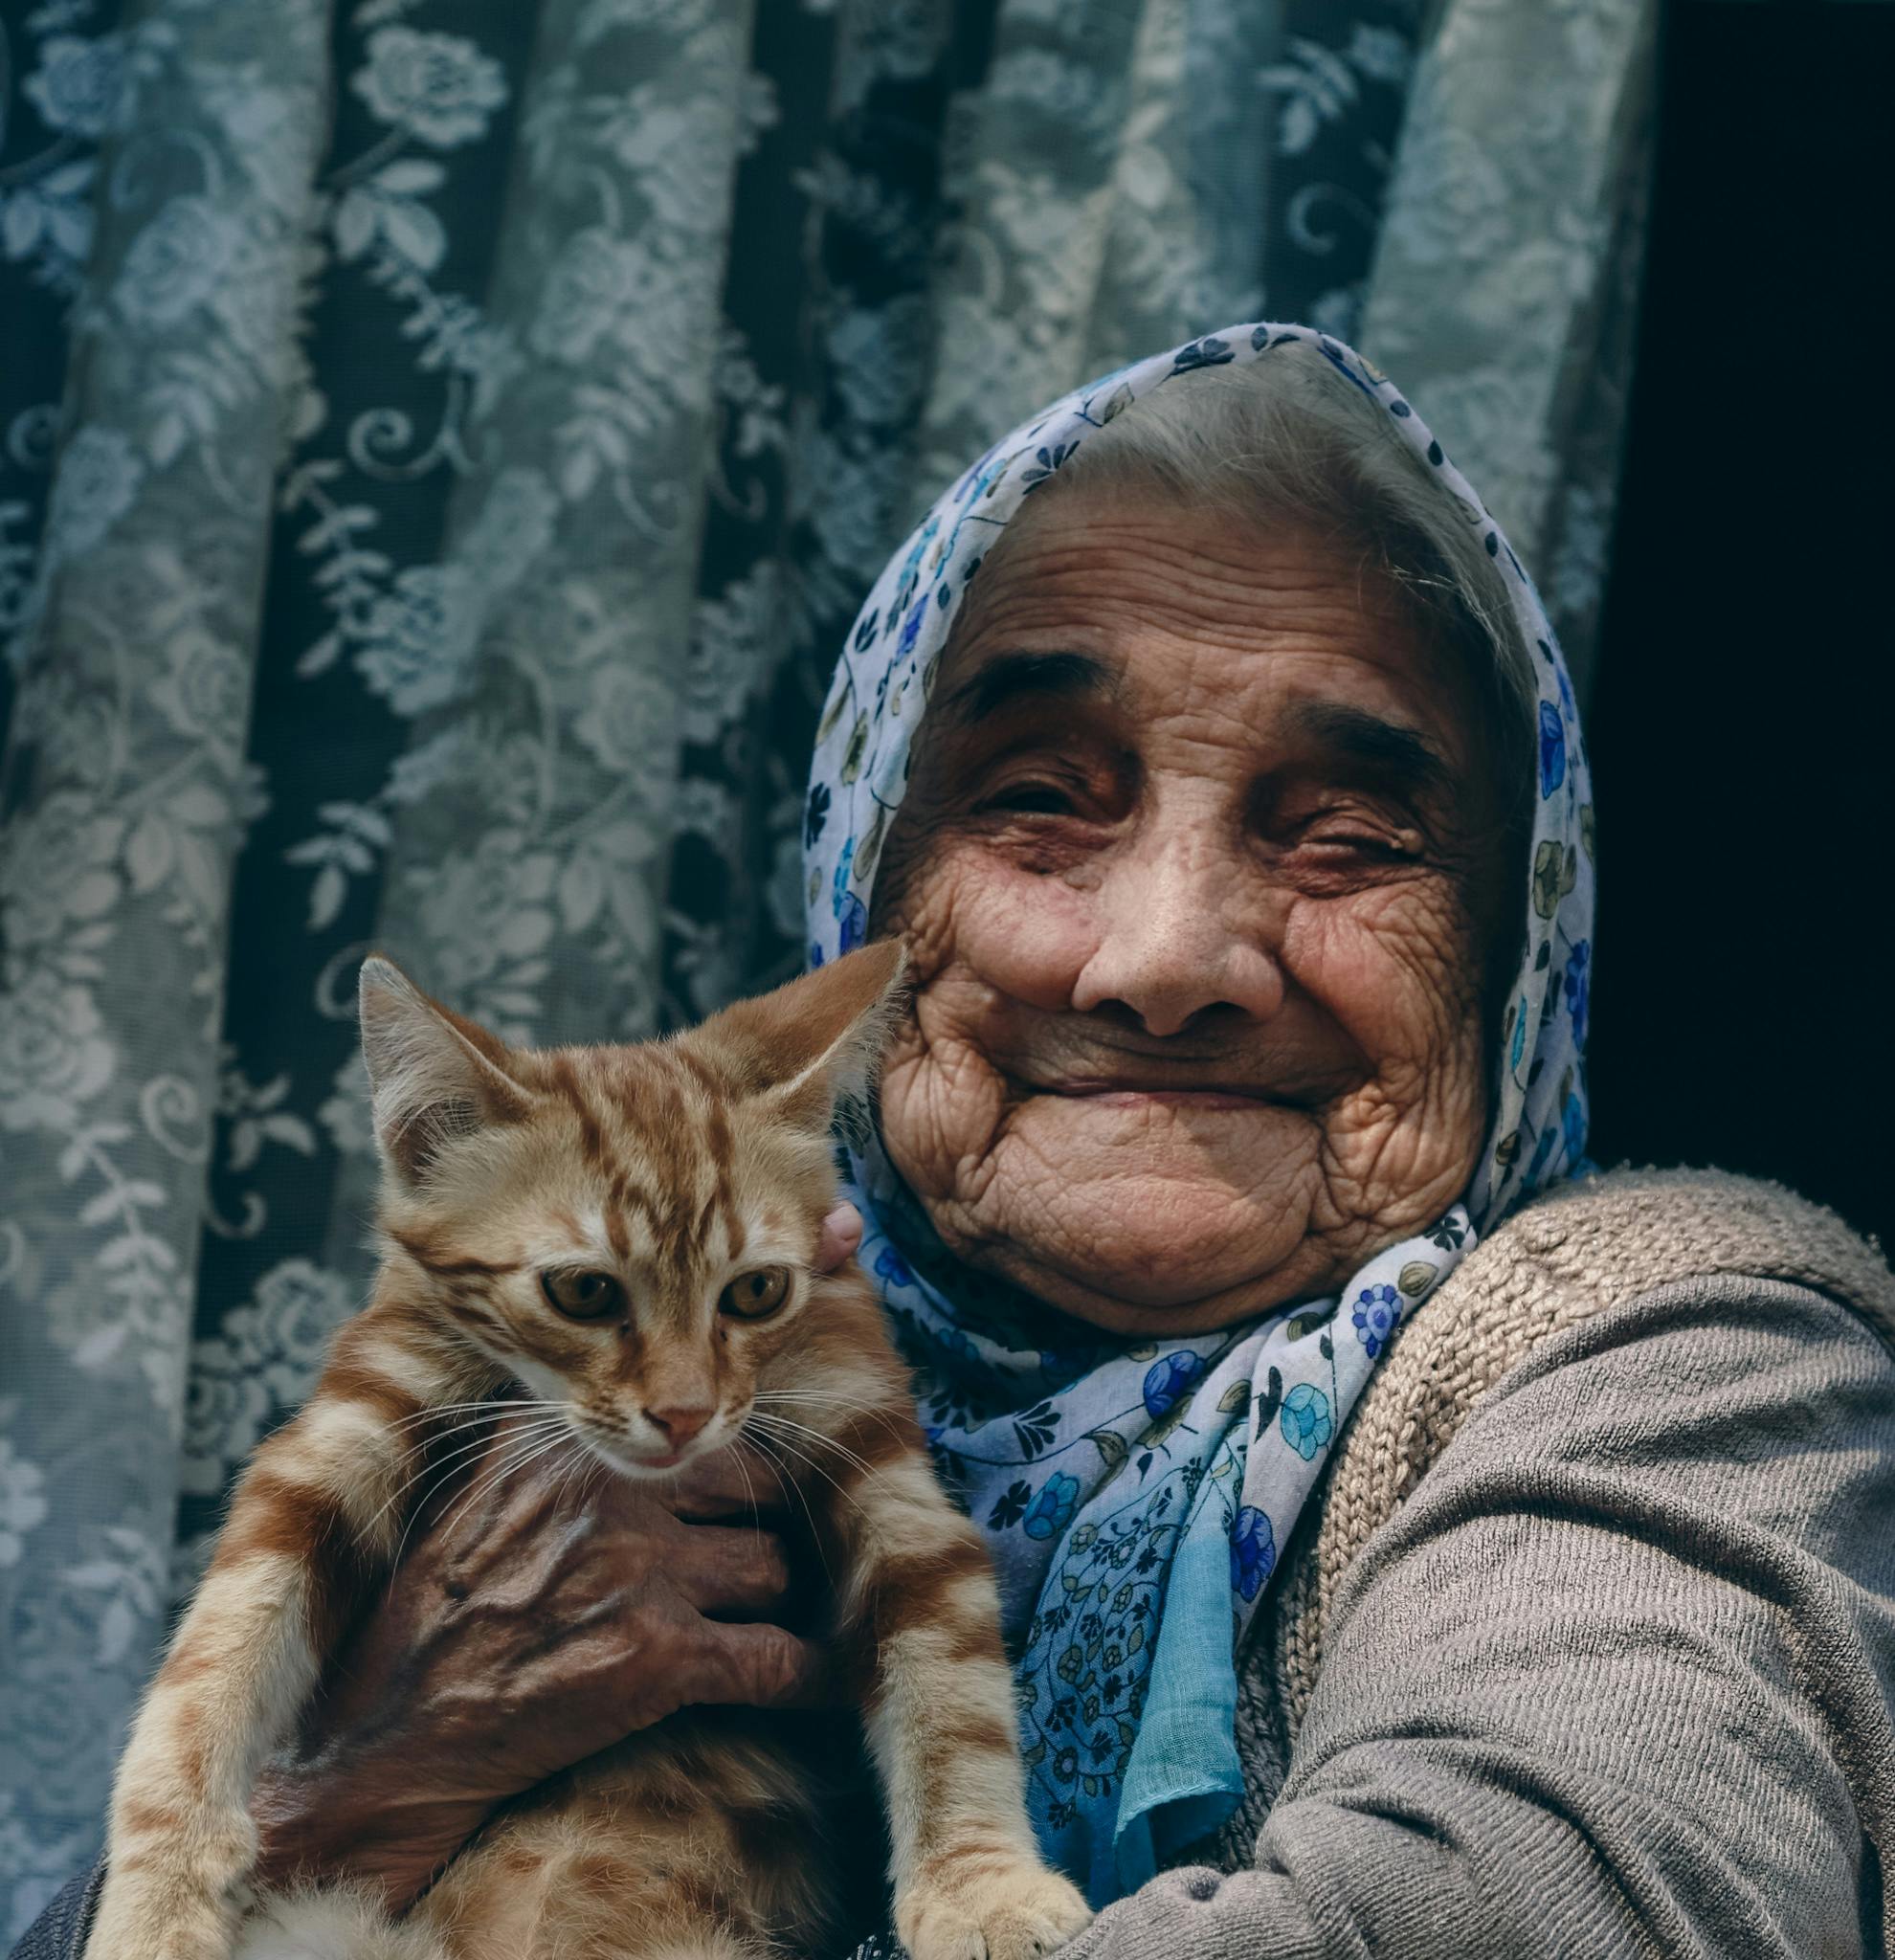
[(1136, 1495)]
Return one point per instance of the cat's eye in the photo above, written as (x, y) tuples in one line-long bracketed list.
[(583, 1296), (755, 1295)]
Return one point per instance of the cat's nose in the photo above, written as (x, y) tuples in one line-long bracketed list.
[(682, 1421)]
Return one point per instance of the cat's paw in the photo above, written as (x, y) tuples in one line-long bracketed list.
[(984, 1909), (131, 1924), (340, 1924)]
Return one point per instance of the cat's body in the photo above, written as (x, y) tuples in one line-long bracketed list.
[(630, 1234)]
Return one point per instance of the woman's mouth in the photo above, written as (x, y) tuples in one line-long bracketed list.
[(1141, 1095)]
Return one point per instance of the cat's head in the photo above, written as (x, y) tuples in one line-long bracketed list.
[(627, 1231)]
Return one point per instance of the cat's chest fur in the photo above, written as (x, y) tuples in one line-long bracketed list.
[(772, 1815)]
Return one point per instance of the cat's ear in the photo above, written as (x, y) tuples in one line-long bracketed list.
[(433, 1073), (818, 1040)]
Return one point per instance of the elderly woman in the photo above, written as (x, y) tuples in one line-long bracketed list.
[(1412, 1541)]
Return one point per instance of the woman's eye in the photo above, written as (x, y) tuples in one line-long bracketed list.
[(1031, 799), (1363, 843), (583, 1296), (755, 1295)]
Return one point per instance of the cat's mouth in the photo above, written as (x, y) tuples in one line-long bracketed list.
[(619, 1458), (622, 1454), (611, 1444)]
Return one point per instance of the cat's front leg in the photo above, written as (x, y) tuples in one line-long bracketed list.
[(181, 1841), (313, 1521), (969, 1881)]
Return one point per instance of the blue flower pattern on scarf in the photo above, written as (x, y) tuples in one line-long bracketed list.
[(1052, 1510), (1552, 748), (1253, 1552), (1111, 1479), (1307, 1422), (1377, 1308), (1167, 1382), (1579, 989)]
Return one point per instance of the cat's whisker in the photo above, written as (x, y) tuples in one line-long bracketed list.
[(743, 1471), (444, 1466), (559, 1465), (447, 1476), (824, 1441), (802, 1456), (886, 1419), (526, 1454), (521, 1443), (852, 1403), (516, 1447), (485, 1412), (790, 1487), (479, 1442), (491, 1405), (560, 1473), (820, 1439), (737, 1454), (426, 1443), (597, 1444), (574, 1475)]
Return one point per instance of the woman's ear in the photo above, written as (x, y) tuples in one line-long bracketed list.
[(817, 1042), (433, 1073)]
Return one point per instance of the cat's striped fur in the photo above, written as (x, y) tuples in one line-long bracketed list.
[(673, 1166)]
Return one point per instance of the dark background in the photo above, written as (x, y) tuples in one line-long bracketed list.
[(1741, 724)]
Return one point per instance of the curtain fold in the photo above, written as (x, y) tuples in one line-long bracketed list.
[(1023, 252), (124, 791), (546, 823), (440, 450), (1506, 279)]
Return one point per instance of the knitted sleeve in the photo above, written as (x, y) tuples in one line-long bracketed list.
[(1617, 1678), (61, 1930)]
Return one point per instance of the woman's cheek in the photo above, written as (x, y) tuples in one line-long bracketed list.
[(1395, 968), (1024, 935)]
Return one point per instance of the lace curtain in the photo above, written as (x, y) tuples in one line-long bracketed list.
[(441, 449)]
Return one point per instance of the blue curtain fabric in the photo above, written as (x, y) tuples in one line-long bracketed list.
[(441, 449)]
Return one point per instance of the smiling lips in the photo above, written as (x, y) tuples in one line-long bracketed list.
[(1124, 1095)]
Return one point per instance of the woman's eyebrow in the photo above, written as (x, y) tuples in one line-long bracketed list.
[(1402, 756), (1006, 677)]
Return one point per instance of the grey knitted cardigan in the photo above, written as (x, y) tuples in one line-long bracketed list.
[(1606, 1561)]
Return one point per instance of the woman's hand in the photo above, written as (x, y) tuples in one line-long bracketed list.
[(521, 1634)]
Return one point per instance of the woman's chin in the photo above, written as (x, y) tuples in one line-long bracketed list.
[(1155, 1254)]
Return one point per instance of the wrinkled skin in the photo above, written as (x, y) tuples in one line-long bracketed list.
[(1200, 954)]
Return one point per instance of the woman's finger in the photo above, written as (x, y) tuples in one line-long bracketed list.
[(733, 1483), (758, 1665), (842, 1236), (725, 1568)]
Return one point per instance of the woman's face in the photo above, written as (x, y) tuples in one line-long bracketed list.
[(1199, 867)]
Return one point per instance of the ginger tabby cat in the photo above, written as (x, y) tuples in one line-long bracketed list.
[(628, 1235)]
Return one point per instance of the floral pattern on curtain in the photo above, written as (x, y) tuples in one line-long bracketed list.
[(440, 448)]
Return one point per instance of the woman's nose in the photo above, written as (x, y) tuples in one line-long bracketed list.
[(1171, 941)]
